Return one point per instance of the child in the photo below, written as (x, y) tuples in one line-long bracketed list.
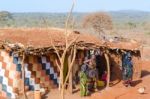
[(104, 76)]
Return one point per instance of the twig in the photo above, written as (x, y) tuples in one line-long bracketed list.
[(71, 65)]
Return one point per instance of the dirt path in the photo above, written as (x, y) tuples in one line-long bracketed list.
[(120, 92), (55, 95)]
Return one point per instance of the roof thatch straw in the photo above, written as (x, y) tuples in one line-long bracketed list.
[(39, 40)]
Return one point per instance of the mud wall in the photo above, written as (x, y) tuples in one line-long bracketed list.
[(116, 65), (10, 74), (39, 72), (137, 66)]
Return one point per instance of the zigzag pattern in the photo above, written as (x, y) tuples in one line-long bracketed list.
[(50, 70), (9, 75), (40, 72), (29, 80)]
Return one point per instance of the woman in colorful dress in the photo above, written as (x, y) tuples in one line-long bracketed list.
[(84, 79), (127, 69)]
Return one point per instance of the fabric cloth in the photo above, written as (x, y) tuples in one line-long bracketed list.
[(83, 84), (92, 82), (93, 73), (85, 68), (104, 77), (127, 67)]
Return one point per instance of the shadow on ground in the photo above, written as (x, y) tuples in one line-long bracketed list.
[(145, 73), (136, 82)]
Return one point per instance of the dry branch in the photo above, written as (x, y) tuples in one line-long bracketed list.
[(68, 46), (71, 64), (108, 69)]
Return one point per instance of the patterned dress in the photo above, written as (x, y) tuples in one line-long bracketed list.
[(84, 80), (127, 67), (93, 75), (83, 84)]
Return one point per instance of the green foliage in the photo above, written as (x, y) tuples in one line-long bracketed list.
[(6, 19), (121, 19), (4, 16), (131, 25)]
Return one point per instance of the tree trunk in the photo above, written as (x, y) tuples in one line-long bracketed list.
[(70, 83), (60, 80), (62, 92), (108, 69), (70, 76)]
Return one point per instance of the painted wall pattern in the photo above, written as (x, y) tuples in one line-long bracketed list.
[(39, 72), (9, 75)]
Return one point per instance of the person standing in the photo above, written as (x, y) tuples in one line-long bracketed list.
[(84, 79), (127, 69), (93, 75)]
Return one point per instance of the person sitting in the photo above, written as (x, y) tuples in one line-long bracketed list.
[(104, 77)]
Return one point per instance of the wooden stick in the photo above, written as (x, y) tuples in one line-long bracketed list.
[(71, 64), (70, 76), (108, 69)]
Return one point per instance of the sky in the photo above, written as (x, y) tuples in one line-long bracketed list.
[(81, 5)]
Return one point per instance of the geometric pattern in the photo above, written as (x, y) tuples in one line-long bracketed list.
[(9, 75), (49, 70), (39, 72)]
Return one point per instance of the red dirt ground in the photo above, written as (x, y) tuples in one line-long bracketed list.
[(120, 92)]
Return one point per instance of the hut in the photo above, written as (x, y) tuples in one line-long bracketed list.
[(31, 50), (112, 56), (117, 49)]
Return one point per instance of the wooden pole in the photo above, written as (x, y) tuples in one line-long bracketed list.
[(108, 69), (70, 76), (141, 60)]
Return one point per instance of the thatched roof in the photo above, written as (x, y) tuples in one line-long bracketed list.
[(38, 41), (36, 38), (123, 43)]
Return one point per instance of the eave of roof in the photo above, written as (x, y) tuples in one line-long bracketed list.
[(39, 39)]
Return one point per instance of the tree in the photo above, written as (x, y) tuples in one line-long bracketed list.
[(99, 21), (131, 25), (5, 18), (70, 49)]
